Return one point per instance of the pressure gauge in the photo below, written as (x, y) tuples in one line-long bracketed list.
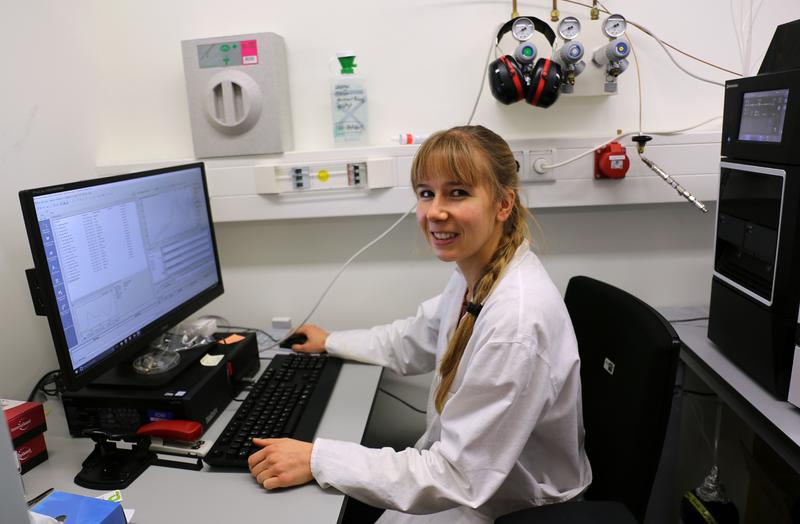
[(522, 28), (615, 26), (569, 28)]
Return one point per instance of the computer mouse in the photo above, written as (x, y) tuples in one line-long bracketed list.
[(297, 338)]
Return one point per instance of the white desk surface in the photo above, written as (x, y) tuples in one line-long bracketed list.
[(168, 495), (776, 422)]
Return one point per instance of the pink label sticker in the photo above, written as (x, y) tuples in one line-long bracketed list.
[(249, 52)]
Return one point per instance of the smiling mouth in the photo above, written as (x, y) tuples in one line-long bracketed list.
[(438, 235)]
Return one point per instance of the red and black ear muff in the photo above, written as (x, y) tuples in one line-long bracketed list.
[(545, 85), (506, 81)]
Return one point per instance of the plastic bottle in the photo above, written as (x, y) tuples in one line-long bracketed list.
[(409, 138), (708, 503), (349, 104)]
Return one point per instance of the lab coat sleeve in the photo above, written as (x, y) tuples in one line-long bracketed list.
[(406, 346), (485, 426)]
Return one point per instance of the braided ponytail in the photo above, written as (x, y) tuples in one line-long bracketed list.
[(474, 155)]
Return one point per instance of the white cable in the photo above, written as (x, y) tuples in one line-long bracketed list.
[(341, 269), (746, 34), (669, 54), (758, 9), (738, 35), (749, 47), (638, 79), (623, 135), (743, 29), (685, 129), (483, 77), (752, 24)]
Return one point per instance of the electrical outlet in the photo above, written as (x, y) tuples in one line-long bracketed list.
[(537, 159), (356, 174), (281, 322), (300, 178)]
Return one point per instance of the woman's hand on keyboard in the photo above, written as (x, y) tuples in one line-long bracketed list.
[(315, 339), (281, 462)]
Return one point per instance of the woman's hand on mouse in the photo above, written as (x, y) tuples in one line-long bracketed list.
[(316, 337), (281, 462)]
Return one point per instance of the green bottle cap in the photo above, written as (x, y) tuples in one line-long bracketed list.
[(347, 63)]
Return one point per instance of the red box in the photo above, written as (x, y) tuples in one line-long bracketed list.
[(27, 425), (32, 452)]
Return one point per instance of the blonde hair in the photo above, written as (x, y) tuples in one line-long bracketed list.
[(474, 156)]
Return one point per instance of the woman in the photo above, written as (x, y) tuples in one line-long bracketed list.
[(504, 424)]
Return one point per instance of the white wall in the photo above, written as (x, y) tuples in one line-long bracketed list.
[(97, 82), (424, 61), (47, 136)]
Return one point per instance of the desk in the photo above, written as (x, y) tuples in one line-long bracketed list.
[(171, 495), (776, 422)]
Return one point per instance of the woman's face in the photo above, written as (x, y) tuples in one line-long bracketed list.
[(463, 223)]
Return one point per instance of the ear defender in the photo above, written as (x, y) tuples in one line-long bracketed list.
[(513, 78), (545, 83), (506, 80)]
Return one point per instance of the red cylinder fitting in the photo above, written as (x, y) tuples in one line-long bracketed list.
[(611, 161)]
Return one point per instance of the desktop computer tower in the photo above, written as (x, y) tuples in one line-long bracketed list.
[(755, 290), (199, 392)]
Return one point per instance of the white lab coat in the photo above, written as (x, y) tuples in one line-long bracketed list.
[(510, 435)]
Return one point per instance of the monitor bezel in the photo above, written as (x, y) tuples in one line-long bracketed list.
[(70, 379)]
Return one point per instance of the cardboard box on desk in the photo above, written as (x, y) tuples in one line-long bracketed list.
[(80, 509), (27, 425)]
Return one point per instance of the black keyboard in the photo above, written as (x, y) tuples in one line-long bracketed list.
[(287, 401)]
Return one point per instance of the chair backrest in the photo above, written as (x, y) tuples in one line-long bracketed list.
[(629, 356)]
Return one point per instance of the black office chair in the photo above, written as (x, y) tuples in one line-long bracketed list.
[(629, 356)]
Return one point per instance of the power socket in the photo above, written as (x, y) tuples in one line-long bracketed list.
[(281, 322), (300, 178), (536, 160)]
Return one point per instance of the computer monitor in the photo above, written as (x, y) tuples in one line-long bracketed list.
[(118, 261)]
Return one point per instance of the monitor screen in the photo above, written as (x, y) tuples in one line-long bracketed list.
[(119, 260), (763, 113)]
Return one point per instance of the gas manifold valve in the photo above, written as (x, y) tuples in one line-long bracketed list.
[(613, 55), (570, 54)]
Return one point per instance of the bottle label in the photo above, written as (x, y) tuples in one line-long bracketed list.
[(349, 101)]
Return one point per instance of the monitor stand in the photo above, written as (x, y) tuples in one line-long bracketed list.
[(125, 376)]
